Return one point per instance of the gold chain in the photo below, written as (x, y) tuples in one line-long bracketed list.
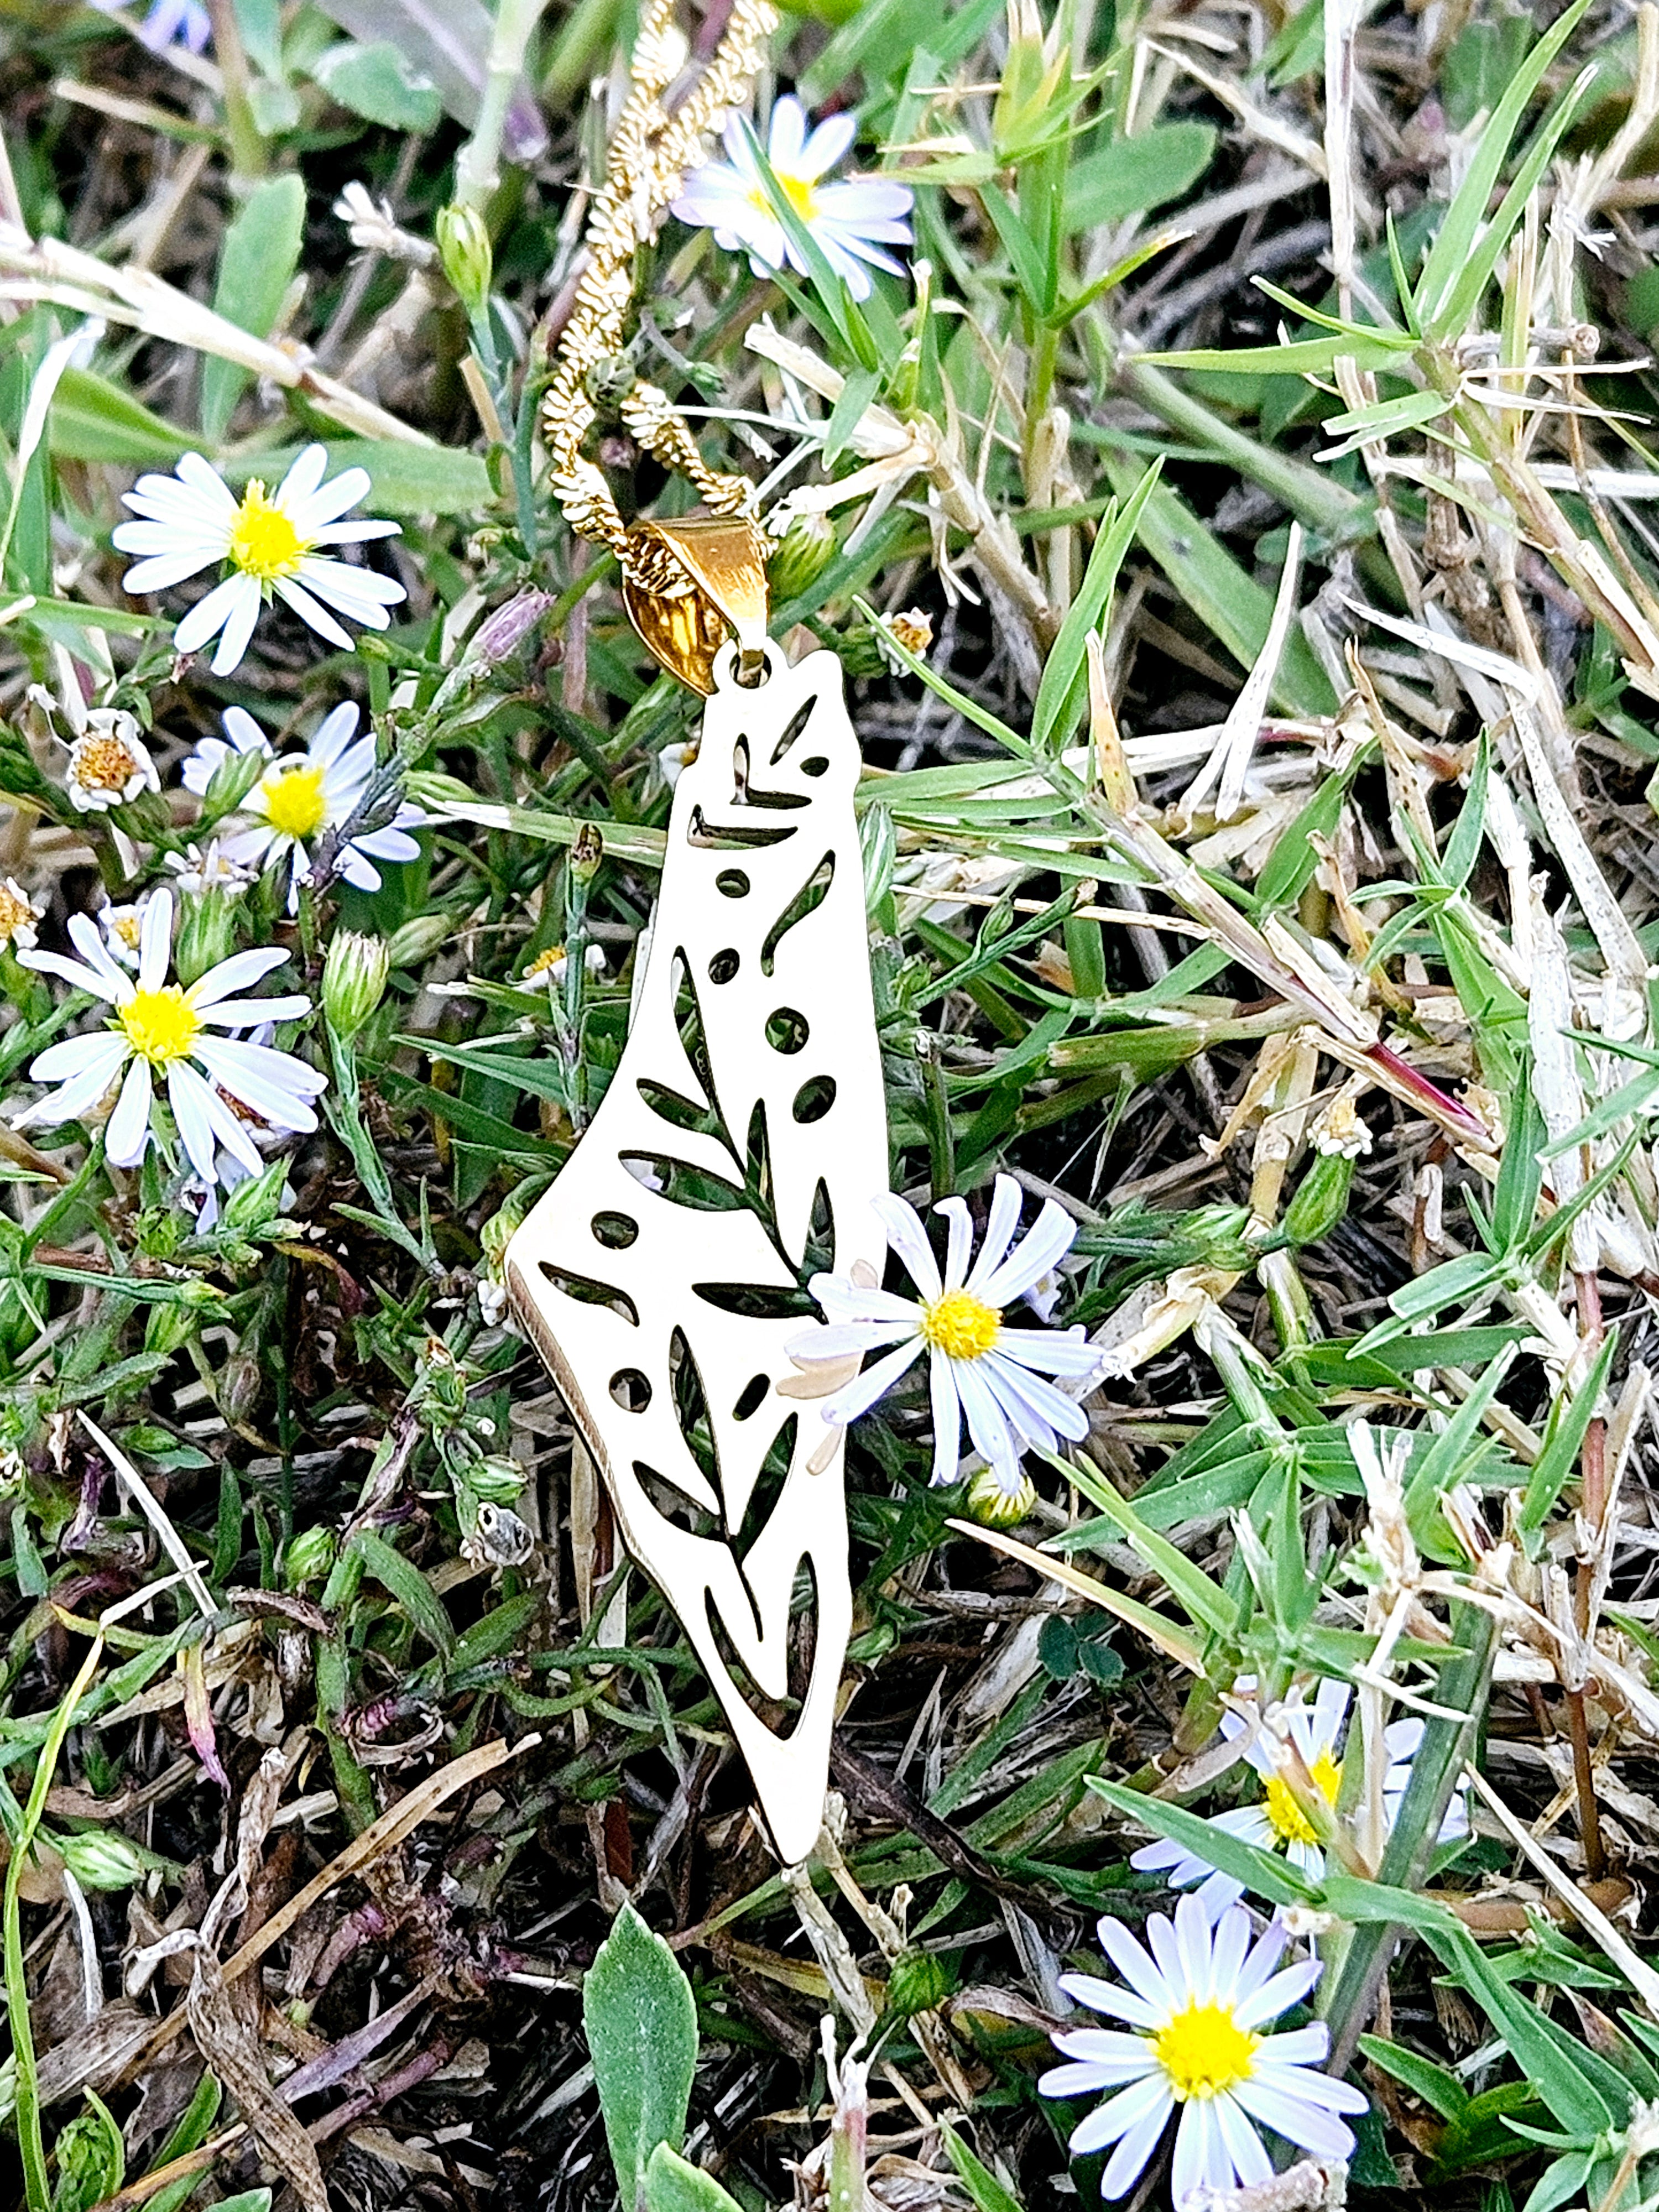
[(646, 168)]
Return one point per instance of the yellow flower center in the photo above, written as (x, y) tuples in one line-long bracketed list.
[(104, 764), (264, 543), (295, 804), (15, 914), (960, 1325), (127, 927), (1204, 2051), (796, 189), (162, 1025), (1289, 1823), (542, 963)]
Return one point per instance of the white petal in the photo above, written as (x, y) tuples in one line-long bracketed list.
[(999, 1226), (243, 612), (786, 134), (987, 1423), (825, 147), (1139, 1970), (1243, 2146), (226, 977), (947, 1422), (128, 1133), (858, 1396), (69, 971), (1297, 2047), (275, 1084), (835, 1343), (1201, 2157), (99, 1048), (1278, 1995), (1044, 1245), (1028, 1398), (334, 732), (1050, 1351), (209, 615), (156, 940), (1129, 2109), (1307, 2125), (163, 570), (910, 1240), (311, 612), (254, 1013), (305, 473), (187, 1095), (1139, 2008), (1128, 2161), (959, 1238)]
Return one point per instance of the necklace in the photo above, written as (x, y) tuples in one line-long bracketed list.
[(743, 1133)]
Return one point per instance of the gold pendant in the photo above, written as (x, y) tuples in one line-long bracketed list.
[(737, 1151)]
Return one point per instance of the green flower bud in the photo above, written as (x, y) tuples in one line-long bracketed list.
[(309, 1557), (1321, 1198), (465, 250), (206, 934), (91, 2160), (101, 1858), (920, 1982), (993, 1506), (354, 981), (495, 1482), (419, 938), (803, 554), (232, 780)]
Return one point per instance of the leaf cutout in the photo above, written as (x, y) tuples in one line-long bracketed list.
[(812, 894), (772, 1083)]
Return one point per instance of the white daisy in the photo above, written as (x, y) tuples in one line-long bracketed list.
[(1196, 2006), (212, 870), (123, 926), (108, 765), (162, 1027), (977, 1366), (847, 219), (302, 794), (191, 521), (1276, 1821), (18, 914), (547, 970)]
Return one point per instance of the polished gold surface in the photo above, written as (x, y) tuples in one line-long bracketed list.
[(716, 589)]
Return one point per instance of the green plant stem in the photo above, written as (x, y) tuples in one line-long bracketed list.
[(477, 167), (30, 2141), (247, 146), (1350, 1997)]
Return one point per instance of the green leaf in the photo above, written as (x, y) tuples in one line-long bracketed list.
[(642, 2024), (674, 2185), (260, 22), (1293, 357), (403, 478), (1132, 175), (1453, 250), (408, 1586), (849, 411), (1218, 590), (95, 420), (1569, 1423), (981, 2184), (378, 82), (1263, 1872), (1388, 418), (1060, 695), (1441, 2091), (1206, 1605), (257, 262)]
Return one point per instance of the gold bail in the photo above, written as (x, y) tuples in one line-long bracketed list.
[(709, 583)]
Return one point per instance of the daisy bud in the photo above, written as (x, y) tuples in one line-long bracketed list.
[(309, 1557), (495, 1481), (354, 981), (993, 1506), (1321, 1200), (465, 250), (207, 934), (505, 630), (803, 552), (418, 938), (231, 782), (101, 1859)]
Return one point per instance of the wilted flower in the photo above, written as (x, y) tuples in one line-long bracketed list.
[(18, 914), (108, 765), (851, 220), (201, 872), (550, 968), (190, 521), (122, 926)]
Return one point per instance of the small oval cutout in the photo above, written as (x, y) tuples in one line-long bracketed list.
[(616, 1231), (816, 766), (814, 1098), (786, 1031), (731, 883), (754, 1394), (723, 966), (630, 1390)]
